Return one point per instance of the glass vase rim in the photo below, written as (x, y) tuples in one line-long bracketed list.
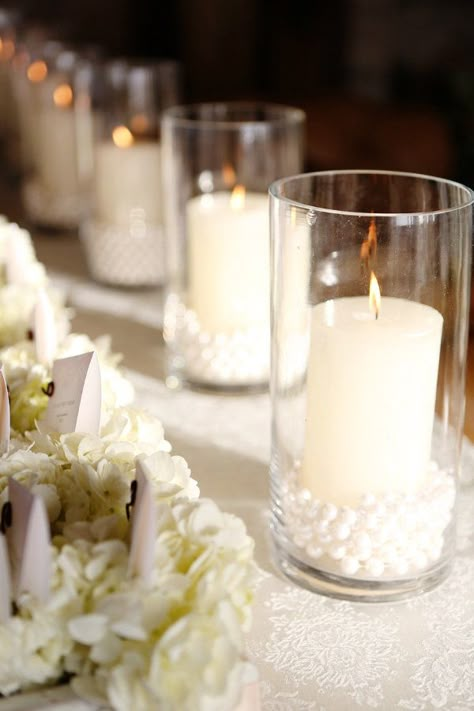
[(276, 184), (286, 114)]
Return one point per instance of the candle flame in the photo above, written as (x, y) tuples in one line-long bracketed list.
[(228, 175), (237, 200), (62, 96), (374, 295), (37, 71), (122, 137)]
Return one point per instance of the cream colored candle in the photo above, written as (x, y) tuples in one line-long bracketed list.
[(56, 165), (370, 398), (229, 261), (128, 180)]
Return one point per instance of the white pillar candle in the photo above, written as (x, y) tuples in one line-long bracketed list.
[(128, 182), (56, 157), (229, 261), (44, 328), (371, 394)]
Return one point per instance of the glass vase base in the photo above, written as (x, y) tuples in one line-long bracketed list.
[(357, 590)]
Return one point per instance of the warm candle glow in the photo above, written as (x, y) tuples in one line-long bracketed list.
[(140, 123), (37, 71), (237, 200), (228, 175), (62, 96), (122, 137), (368, 250), (7, 49), (374, 295)]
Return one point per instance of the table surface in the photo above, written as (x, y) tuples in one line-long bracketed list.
[(313, 653)]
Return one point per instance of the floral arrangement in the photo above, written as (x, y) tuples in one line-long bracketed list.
[(21, 277), (173, 641)]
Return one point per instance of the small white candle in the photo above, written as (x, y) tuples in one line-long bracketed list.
[(229, 261), (371, 394), (45, 333), (128, 180)]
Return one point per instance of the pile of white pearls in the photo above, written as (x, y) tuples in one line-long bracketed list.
[(384, 536), (238, 358)]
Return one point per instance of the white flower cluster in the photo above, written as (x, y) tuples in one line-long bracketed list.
[(174, 641), (21, 277)]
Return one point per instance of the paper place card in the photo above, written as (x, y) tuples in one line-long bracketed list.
[(75, 403), (4, 413), (143, 527), (44, 328), (29, 542), (5, 582)]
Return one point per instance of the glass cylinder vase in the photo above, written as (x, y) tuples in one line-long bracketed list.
[(370, 314), (58, 129), (219, 160), (122, 236)]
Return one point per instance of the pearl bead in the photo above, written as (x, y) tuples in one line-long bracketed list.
[(401, 567), (342, 531), (349, 565), (368, 500), (375, 567), (329, 512), (348, 517), (314, 551), (337, 552)]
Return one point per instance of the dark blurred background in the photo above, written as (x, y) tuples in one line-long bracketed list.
[(385, 83)]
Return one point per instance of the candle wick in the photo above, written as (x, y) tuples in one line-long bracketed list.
[(376, 315)]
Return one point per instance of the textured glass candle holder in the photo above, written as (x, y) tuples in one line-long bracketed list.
[(122, 236), (57, 126), (219, 160), (367, 387)]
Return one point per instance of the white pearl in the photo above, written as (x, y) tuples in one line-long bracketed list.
[(314, 551), (349, 565), (375, 567), (389, 554), (401, 567), (368, 500), (342, 532), (337, 552), (371, 521), (329, 512), (362, 546), (380, 509), (348, 516), (322, 526)]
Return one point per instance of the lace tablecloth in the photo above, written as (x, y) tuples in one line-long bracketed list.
[(314, 653)]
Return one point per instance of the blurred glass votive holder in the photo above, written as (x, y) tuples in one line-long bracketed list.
[(123, 233), (370, 311), (9, 22), (58, 131), (219, 160)]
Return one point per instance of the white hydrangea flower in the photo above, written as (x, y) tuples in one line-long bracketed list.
[(177, 644)]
